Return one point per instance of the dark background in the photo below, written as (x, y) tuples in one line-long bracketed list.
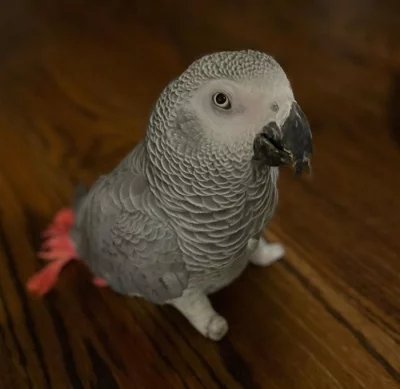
[(77, 82)]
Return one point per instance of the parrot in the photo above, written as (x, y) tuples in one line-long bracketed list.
[(184, 213)]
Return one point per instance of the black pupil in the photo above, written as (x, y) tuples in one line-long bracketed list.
[(220, 98)]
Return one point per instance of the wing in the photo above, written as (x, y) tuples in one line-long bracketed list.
[(128, 241)]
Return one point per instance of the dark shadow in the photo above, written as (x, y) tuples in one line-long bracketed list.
[(394, 109)]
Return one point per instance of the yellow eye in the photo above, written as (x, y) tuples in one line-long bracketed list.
[(221, 100)]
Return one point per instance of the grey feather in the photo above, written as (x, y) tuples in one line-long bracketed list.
[(126, 237)]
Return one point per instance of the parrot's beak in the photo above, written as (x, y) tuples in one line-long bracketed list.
[(290, 144)]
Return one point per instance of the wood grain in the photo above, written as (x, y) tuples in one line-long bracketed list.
[(77, 82)]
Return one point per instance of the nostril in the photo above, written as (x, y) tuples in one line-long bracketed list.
[(275, 107)]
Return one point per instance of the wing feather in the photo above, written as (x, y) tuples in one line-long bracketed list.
[(129, 241)]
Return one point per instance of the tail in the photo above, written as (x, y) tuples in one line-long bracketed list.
[(61, 245)]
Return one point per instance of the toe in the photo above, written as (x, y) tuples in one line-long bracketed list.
[(268, 253), (217, 328), (274, 251)]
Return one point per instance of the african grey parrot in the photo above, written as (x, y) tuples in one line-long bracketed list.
[(184, 213)]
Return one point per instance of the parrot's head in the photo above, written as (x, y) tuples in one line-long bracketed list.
[(241, 101)]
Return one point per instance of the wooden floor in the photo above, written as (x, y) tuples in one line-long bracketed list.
[(77, 82)]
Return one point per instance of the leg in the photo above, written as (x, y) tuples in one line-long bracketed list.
[(267, 253), (196, 307)]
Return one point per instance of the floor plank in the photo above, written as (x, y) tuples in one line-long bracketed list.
[(77, 82)]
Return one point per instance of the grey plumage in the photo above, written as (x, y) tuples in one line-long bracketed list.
[(178, 213)]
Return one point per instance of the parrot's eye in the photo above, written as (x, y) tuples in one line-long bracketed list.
[(221, 100)]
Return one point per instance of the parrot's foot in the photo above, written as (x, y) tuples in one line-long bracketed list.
[(217, 328), (267, 253), (198, 310), (58, 249)]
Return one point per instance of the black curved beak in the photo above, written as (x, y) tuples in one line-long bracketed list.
[(290, 144)]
